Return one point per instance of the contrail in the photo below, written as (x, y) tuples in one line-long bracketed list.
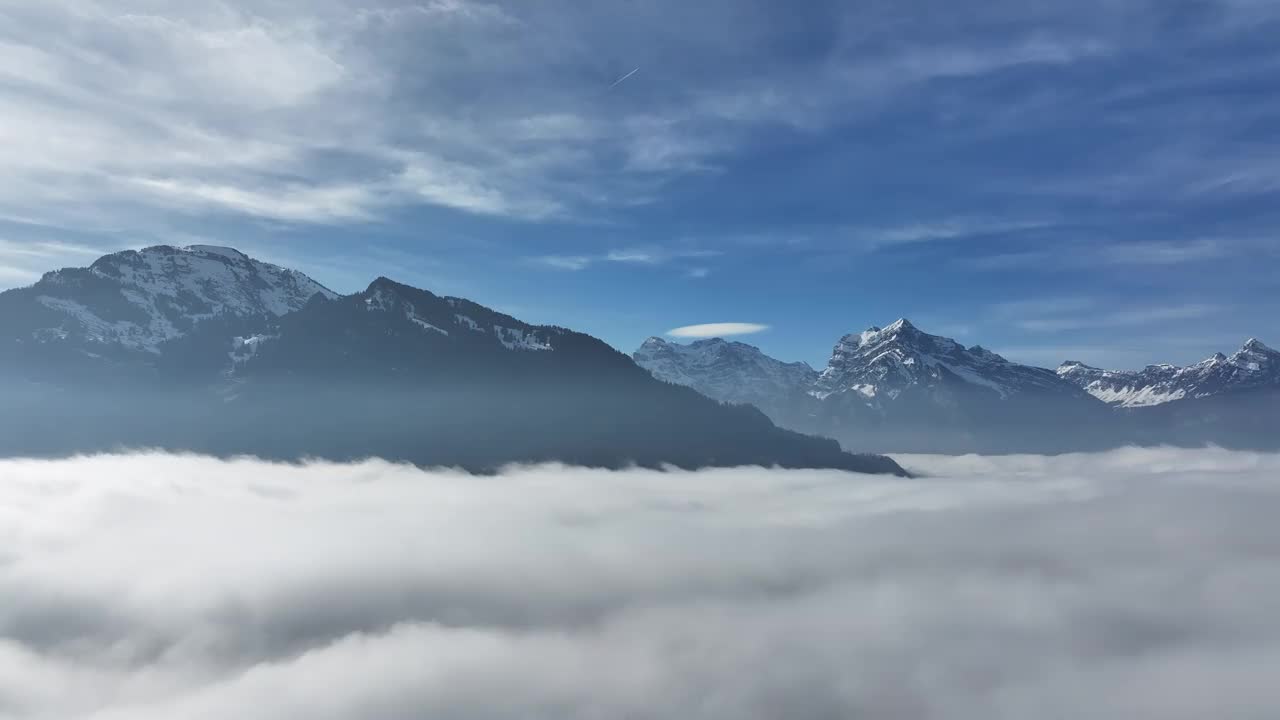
[(618, 82)]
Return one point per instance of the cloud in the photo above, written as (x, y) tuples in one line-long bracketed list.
[(160, 586), (1096, 257), (489, 108), (717, 330), (632, 256), (1161, 252), (949, 229), (251, 108), (1059, 314), (565, 262), (1136, 317)]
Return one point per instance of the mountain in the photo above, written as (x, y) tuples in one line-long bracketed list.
[(127, 305), (1253, 367), (882, 364), (206, 350), (731, 372), (901, 389), (1232, 401), (908, 391)]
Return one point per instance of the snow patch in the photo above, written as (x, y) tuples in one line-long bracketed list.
[(867, 391), (518, 339), (471, 324), (245, 348), (1131, 397)]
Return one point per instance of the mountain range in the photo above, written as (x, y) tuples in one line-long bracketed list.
[(205, 349), (1254, 367), (901, 389)]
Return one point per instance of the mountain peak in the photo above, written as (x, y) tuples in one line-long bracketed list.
[(220, 250), (138, 299), (385, 286), (876, 334), (725, 370), (1256, 345), (383, 282), (900, 324)]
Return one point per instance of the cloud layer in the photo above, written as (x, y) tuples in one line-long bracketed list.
[(1137, 583)]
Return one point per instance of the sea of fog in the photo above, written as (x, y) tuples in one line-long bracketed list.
[(1129, 584)]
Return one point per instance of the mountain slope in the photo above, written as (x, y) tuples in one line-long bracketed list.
[(395, 372)]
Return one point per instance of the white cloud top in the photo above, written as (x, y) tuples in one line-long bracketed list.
[(1131, 584)]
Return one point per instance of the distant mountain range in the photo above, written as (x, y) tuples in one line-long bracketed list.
[(204, 349), (1254, 367), (900, 389)]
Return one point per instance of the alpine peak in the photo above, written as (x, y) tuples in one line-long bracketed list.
[(1256, 345), (382, 282)]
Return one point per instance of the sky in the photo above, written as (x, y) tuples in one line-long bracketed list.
[(1096, 180), (1138, 583)]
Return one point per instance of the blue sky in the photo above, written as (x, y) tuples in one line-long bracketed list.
[(1096, 180)]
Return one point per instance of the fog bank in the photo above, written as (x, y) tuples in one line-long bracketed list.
[(1128, 584)]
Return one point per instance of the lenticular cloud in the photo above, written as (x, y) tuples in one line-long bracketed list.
[(1130, 584)]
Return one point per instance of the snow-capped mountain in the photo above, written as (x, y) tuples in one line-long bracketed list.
[(138, 300), (1254, 366), (203, 349), (895, 387), (876, 366), (880, 364), (900, 389), (728, 371)]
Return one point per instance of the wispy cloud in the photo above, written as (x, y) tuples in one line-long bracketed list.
[(1096, 256), (1121, 318), (635, 256), (565, 262), (488, 131), (1046, 315), (947, 229), (709, 330)]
